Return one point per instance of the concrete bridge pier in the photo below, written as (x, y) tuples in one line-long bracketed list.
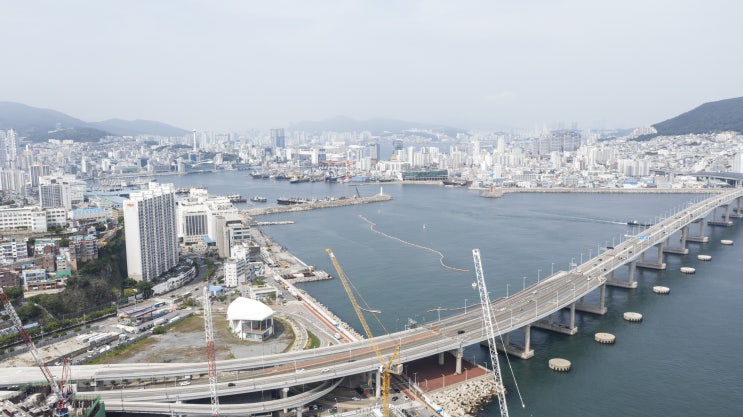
[(683, 250), (659, 264), (441, 358), (298, 410), (512, 349), (738, 210), (549, 324), (458, 354), (378, 390), (630, 283), (591, 308), (284, 394), (725, 217), (701, 238)]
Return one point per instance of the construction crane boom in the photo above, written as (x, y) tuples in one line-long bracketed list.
[(210, 353), (386, 367), (487, 313), (61, 408)]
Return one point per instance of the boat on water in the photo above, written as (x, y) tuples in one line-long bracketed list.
[(236, 198), (258, 199), (456, 183), (636, 223), (290, 201), (297, 180), (260, 175)]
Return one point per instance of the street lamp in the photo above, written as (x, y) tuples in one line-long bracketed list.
[(465, 306), (443, 383), (507, 284), (539, 271), (552, 271)]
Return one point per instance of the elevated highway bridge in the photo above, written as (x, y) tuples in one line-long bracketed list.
[(320, 370)]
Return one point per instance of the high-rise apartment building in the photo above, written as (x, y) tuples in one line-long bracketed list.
[(151, 232), (277, 137)]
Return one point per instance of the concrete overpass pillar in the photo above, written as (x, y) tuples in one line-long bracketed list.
[(298, 410), (527, 338), (378, 390), (631, 276), (284, 394), (572, 315), (602, 296), (441, 358), (459, 354), (727, 213)]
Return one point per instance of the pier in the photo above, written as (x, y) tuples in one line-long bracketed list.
[(319, 204)]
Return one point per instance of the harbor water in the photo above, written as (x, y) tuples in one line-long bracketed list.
[(681, 360)]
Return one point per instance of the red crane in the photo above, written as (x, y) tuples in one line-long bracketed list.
[(62, 400)]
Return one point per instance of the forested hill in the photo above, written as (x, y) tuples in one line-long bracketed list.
[(716, 116)]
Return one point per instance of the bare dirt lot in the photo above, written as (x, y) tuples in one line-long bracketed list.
[(185, 342)]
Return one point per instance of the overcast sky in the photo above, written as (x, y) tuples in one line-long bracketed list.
[(237, 65)]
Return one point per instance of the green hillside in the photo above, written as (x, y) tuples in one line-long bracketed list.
[(717, 116)]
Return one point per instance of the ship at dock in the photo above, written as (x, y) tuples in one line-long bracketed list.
[(236, 198), (292, 201), (258, 199), (456, 183)]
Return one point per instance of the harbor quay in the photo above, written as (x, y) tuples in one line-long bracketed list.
[(318, 204)]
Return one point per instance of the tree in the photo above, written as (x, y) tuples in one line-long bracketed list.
[(145, 287)]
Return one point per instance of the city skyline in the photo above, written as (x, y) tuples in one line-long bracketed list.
[(234, 66)]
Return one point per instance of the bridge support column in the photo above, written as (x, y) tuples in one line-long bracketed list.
[(737, 211), (298, 410), (653, 265), (591, 308), (572, 315), (378, 390), (548, 324), (683, 250), (441, 358), (725, 217), (459, 354), (630, 283), (527, 339), (512, 349), (701, 238), (284, 394)]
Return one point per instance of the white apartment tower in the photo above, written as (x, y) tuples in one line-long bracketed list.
[(151, 232)]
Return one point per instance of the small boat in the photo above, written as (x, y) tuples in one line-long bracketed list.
[(636, 223), (258, 199)]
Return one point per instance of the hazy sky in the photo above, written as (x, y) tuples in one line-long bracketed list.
[(236, 65)]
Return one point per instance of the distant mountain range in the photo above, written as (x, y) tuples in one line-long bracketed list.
[(42, 124), (716, 116), (377, 126)]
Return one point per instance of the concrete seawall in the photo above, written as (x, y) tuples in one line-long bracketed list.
[(318, 205)]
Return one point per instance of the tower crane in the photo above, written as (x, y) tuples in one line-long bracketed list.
[(386, 366), (487, 313), (62, 400), (210, 353)]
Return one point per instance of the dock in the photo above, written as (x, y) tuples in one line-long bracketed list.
[(320, 204)]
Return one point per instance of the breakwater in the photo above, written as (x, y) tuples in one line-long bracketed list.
[(320, 204), (468, 398)]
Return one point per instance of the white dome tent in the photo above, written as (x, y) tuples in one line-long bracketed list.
[(250, 319)]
